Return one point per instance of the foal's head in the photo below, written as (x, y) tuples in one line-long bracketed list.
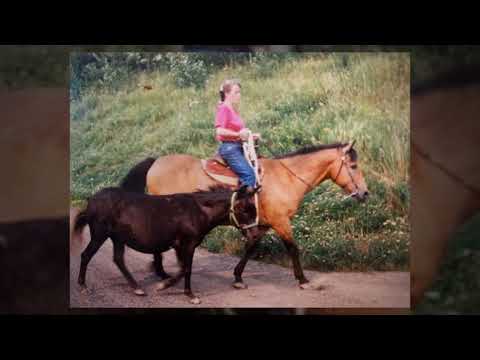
[(244, 206), (240, 203), (345, 173)]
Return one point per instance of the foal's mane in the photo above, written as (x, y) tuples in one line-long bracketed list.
[(217, 189), (315, 148)]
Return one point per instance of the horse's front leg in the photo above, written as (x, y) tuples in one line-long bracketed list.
[(284, 229), (253, 237)]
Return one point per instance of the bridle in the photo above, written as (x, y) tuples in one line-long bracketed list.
[(352, 180), (233, 218), (357, 189)]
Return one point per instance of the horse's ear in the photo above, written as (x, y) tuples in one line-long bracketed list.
[(348, 147)]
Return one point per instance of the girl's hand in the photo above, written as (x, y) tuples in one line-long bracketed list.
[(243, 134)]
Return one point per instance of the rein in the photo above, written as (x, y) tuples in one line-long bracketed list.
[(442, 168), (251, 156), (310, 186), (351, 178), (288, 169), (298, 177)]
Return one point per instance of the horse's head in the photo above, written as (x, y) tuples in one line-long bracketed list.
[(346, 173)]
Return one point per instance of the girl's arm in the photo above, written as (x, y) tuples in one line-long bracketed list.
[(241, 135)]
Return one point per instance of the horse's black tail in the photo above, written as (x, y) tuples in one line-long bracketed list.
[(136, 179)]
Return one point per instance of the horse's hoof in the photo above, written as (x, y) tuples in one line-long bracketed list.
[(305, 286), (195, 301), (139, 292), (239, 285), (162, 285)]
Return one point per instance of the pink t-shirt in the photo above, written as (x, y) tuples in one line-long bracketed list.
[(228, 119)]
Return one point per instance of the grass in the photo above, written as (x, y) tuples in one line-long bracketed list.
[(457, 287), (317, 98)]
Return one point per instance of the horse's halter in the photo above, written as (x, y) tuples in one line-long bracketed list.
[(352, 180), (234, 218)]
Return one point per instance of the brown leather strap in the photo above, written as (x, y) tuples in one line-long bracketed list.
[(442, 168), (298, 177)]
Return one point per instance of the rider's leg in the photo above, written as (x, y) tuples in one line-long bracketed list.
[(232, 153)]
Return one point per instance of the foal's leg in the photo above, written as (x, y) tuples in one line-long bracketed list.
[(118, 259), (158, 264), (188, 259), (174, 279), (284, 229), (250, 246), (98, 235)]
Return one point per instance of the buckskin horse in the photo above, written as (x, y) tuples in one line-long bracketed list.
[(155, 224), (286, 180)]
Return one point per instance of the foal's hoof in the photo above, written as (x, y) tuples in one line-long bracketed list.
[(195, 301), (239, 285), (139, 292), (84, 290)]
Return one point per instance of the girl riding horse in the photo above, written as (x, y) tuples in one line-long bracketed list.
[(231, 131)]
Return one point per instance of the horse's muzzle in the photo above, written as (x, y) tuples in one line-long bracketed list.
[(361, 196)]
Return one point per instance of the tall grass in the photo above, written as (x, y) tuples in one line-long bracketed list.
[(315, 98)]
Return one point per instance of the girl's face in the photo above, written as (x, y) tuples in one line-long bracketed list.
[(234, 95)]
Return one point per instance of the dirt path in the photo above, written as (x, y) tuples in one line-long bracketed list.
[(269, 286)]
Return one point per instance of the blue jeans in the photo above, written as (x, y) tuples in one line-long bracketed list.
[(232, 153)]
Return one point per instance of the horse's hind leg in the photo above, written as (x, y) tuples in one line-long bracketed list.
[(118, 259), (158, 265), (98, 235)]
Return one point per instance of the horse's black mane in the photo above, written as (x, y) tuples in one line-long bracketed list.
[(314, 148)]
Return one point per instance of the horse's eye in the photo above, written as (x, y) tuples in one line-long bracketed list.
[(354, 167)]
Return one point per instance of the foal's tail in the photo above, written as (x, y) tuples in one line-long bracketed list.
[(77, 223), (136, 179), (81, 221)]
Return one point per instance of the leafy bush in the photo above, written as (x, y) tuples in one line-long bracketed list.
[(188, 70)]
